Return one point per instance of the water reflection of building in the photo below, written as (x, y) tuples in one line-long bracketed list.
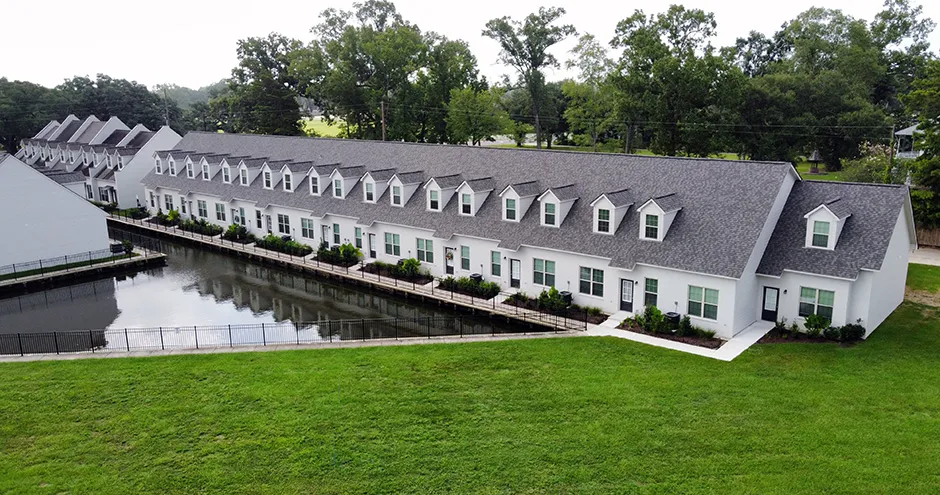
[(56, 309)]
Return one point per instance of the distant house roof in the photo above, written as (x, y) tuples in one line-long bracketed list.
[(68, 131), (115, 137), (907, 131), (86, 136), (140, 139)]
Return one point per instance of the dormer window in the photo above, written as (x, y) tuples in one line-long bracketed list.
[(120, 163), (370, 192), (267, 179), (189, 170), (288, 182), (510, 209), (159, 168), (820, 234), (172, 165), (85, 159), (652, 227), (396, 195), (603, 221), (466, 204), (227, 174), (549, 216), (434, 200), (205, 171), (337, 188), (314, 185), (243, 176)]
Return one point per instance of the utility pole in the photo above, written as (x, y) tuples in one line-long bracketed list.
[(891, 141), (383, 119), (166, 108)]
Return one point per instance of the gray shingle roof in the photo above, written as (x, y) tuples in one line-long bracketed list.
[(526, 189), (839, 208), (383, 175), (140, 139), (68, 131), (299, 167), (565, 193), (668, 202), (620, 198), (482, 184), (354, 172), (127, 151), (416, 177), (447, 181), (713, 233), (864, 238)]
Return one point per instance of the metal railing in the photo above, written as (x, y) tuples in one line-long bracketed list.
[(495, 305), (263, 334), (65, 263)]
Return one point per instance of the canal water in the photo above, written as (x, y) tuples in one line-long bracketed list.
[(201, 296)]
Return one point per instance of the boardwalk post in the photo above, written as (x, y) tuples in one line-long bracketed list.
[(162, 347), (127, 342), (396, 328), (230, 336), (19, 337), (429, 327), (41, 272), (460, 324), (264, 338), (55, 338), (196, 336), (14, 271), (91, 342)]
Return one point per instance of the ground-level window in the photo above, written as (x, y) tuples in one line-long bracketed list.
[(183, 205), (703, 302), (359, 237), (203, 210), (496, 264), (651, 296), (88, 192), (283, 224), (543, 272), (153, 202), (392, 244), (816, 302), (425, 250), (306, 228), (220, 212), (168, 202), (336, 236), (258, 218), (241, 216), (464, 257), (591, 282)]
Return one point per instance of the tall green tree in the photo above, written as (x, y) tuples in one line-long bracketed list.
[(924, 103), (590, 99), (475, 116), (524, 46), (24, 109), (130, 101)]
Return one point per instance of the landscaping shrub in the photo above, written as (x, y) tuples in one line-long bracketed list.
[(450, 283), (200, 226), (516, 299), (852, 332), (413, 273), (708, 334), (685, 327), (815, 325), (344, 255), (275, 243), (467, 286), (128, 246), (411, 268), (173, 217), (550, 300), (594, 311), (831, 333), (238, 233), (653, 320), (166, 219)]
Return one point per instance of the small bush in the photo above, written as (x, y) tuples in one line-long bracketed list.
[(450, 283), (173, 217), (411, 267), (815, 325), (653, 320), (201, 226), (708, 334), (483, 290), (594, 311), (128, 246), (852, 332), (344, 255), (238, 233), (518, 298), (685, 327), (831, 333), (550, 300), (275, 243)]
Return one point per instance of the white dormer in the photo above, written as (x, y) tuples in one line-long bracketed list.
[(609, 209), (190, 171), (204, 168), (472, 194), (267, 177), (314, 184), (517, 198), (243, 174), (554, 205), (374, 184), (338, 185), (171, 164), (439, 191), (226, 172), (403, 186), (656, 216), (288, 180), (824, 224)]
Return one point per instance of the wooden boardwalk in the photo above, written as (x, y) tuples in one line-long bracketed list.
[(143, 258), (428, 291)]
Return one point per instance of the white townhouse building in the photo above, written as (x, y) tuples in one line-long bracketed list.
[(725, 242), (50, 221), (98, 160)]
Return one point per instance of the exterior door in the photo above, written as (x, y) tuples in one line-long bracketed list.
[(449, 260), (771, 303), (267, 220), (372, 245), (626, 295), (515, 273), (325, 230)]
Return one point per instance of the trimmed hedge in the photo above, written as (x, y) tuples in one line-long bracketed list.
[(275, 243)]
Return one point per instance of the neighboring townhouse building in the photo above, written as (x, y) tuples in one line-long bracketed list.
[(726, 242), (98, 160), (51, 221)]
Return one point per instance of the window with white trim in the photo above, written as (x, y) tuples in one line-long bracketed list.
[(172, 166), (227, 174), (510, 210), (816, 302), (189, 170), (314, 185), (243, 176), (551, 209), (183, 205), (167, 201), (464, 257), (496, 264), (392, 244), (220, 212), (306, 228), (359, 237), (153, 202), (336, 236), (89, 193), (370, 192), (258, 218), (703, 302), (267, 179), (603, 220), (203, 209), (466, 204), (205, 171), (159, 168), (337, 188), (434, 200), (820, 234), (543, 272), (651, 292), (283, 224), (396, 195), (425, 250), (288, 182), (591, 281), (652, 227)]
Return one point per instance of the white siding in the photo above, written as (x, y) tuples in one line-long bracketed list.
[(128, 183), (891, 279)]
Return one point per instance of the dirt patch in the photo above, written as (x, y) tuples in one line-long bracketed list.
[(922, 297)]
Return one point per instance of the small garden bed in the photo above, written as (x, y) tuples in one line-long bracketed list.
[(469, 287), (816, 331), (346, 255), (274, 243), (170, 219), (200, 226), (653, 322), (239, 234), (408, 270), (551, 302), (135, 213)]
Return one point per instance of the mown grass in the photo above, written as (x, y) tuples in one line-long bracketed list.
[(576, 415), (923, 277), (318, 127), (803, 168)]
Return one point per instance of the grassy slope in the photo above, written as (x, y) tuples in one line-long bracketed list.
[(586, 415), (923, 277)]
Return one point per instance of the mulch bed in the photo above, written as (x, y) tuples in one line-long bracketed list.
[(777, 337), (570, 313), (385, 272), (157, 221), (707, 342)]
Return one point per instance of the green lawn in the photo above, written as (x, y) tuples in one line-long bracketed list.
[(576, 415), (604, 149), (803, 169), (321, 128), (923, 277)]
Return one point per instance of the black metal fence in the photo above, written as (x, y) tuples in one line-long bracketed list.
[(17, 271), (263, 334)]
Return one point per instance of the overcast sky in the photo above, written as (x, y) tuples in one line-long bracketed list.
[(192, 42)]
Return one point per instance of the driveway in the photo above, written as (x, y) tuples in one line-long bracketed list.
[(926, 256)]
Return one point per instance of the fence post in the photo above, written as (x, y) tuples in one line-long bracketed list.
[(14, 271), (429, 327), (162, 347), (91, 341), (41, 272), (127, 342), (460, 324), (362, 328), (19, 337), (396, 328), (55, 338), (264, 338), (230, 336), (329, 325), (196, 335)]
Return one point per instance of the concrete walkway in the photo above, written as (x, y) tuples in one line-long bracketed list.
[(926, 256), (282, 347), (730, 350)]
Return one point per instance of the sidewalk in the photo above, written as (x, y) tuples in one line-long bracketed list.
[(926, 256)]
